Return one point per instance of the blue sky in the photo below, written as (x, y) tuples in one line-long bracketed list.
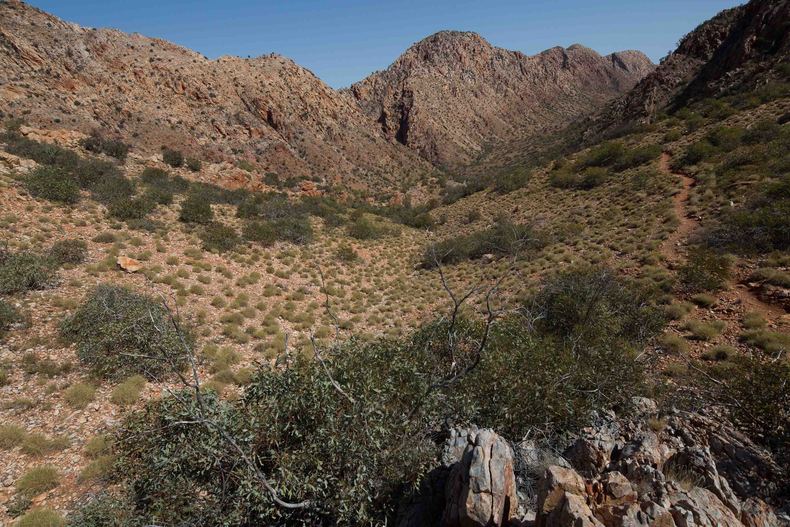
[(342, 41)]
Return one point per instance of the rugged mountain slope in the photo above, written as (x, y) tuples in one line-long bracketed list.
[(453, 94), (737, 49), (153, 93)]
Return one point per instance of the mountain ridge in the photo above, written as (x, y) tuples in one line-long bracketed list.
[(272, 112), (492, 92)]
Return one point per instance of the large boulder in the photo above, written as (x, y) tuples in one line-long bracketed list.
[(481, 489)]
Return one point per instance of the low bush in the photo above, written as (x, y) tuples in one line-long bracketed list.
[(194, 164), (120, 333), (363, 228), (261, 232), (585, 179), (11, 436), (53, 184), (704, 270), (762, 225), (172, 157), (79, 395), (68, 252), (503, 238), (41, 517), (102, 145), (701, 330), (24, 271), (128, 392), (131, 208), (756, 393), (38, 480), (219, 238), (294, 229), (511, 180), (332, 431), (593, 304), (195, 209), (9, 315)]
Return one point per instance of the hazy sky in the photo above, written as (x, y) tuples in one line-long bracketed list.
[(342, 41)]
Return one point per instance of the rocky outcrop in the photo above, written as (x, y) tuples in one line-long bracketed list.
[(738, 48), (481, 489), (684, 470), (452, 95)]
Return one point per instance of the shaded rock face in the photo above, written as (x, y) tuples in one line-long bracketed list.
[(151, 93), (481, 489), (684, 470), (453, 94)]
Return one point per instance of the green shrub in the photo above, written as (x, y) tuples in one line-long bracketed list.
[(24, 271), (98, 469), (720, 353), (103, 510), (512, 180), (594, 304), (586, 179), (603, 155), (195, 209), (194, 164), (704, 270), (53, 184), (8, 316), (38, 444), (120, 333), (259, 232), (218, 237), (42, 153), (638, 156), (703, 299), (756, 393), (295, 230), (503, 238), (762, 225), (174, 158), (332, 431), (38, 480), (131, 208), (112, 147), (699, 151), (111, 188), (68, 252), (363, 228), (79, 395), (346, 253), (41, 517), (674, 344), (725, 138)]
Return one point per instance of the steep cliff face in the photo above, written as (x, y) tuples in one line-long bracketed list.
[(452, 95), (154, 93)]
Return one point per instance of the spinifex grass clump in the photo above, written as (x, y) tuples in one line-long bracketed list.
[(120, 333)]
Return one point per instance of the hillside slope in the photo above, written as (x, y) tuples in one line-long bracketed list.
[(737, 50), (153, 93), (452, 95)]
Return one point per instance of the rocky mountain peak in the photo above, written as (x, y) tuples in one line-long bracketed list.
[(453, 94)]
